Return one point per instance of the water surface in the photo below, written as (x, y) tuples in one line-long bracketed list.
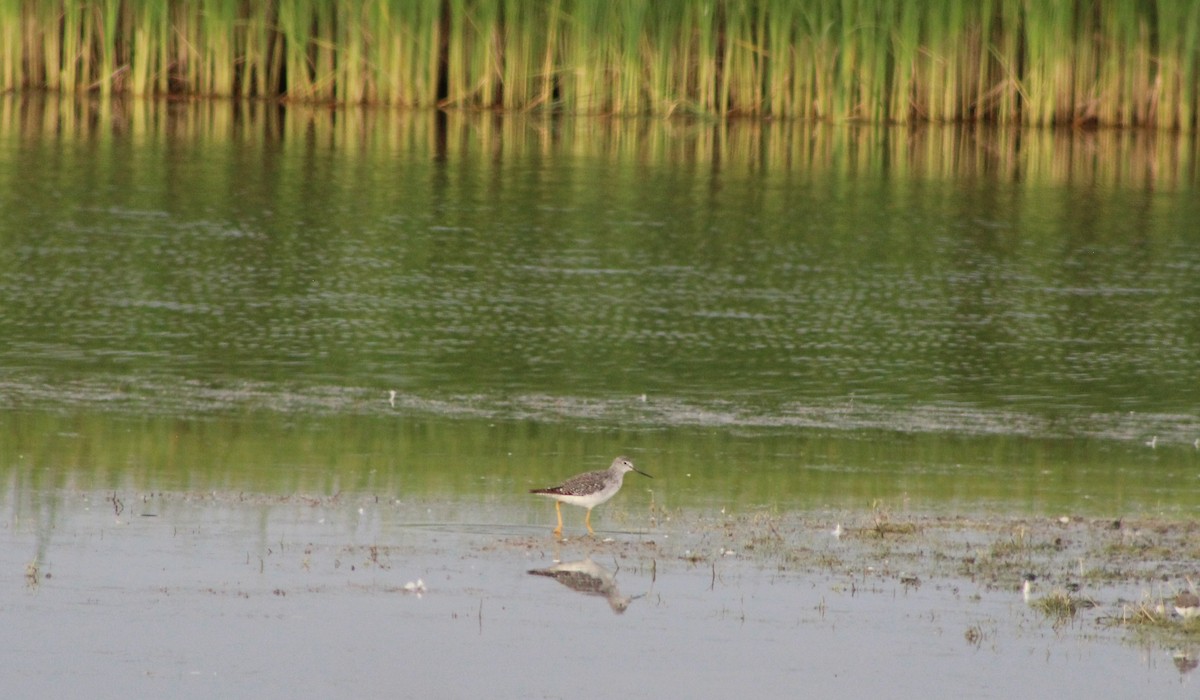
[(229, 331), (971, 289)]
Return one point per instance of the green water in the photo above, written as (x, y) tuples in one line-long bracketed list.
[(213, 296)]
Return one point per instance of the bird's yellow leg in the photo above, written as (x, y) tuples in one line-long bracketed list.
[(558, 510), (588, 521)]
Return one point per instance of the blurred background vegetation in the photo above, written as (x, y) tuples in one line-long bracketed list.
[(1101, 62)]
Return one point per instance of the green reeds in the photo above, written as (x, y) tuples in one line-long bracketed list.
[(10, 45), (150, 31), (401, 51), (473, 70), (1060, 62)]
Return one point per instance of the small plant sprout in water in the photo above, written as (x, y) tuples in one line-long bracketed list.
[(33, 574)]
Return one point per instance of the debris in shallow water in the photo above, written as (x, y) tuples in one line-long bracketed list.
[(974, 635)]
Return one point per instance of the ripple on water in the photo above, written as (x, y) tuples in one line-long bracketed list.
[(165, 395)]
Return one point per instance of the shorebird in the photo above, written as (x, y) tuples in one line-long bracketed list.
[(589, 490), (1027, 586), (1187, 605)]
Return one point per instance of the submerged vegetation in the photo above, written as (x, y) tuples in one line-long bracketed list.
[(1105, 62)]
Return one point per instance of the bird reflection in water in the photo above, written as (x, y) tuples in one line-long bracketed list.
[(1185, 660), (588, 577)]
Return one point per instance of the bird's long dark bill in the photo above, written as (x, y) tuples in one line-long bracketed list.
[(639, 471)]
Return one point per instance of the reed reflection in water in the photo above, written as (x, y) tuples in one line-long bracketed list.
[(825, 300)]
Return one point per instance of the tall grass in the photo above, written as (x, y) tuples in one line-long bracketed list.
[(10, 45), (1057, 62)]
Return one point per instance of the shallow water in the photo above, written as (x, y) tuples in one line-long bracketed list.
[(737, 468), (260, 369), (196, 595)]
